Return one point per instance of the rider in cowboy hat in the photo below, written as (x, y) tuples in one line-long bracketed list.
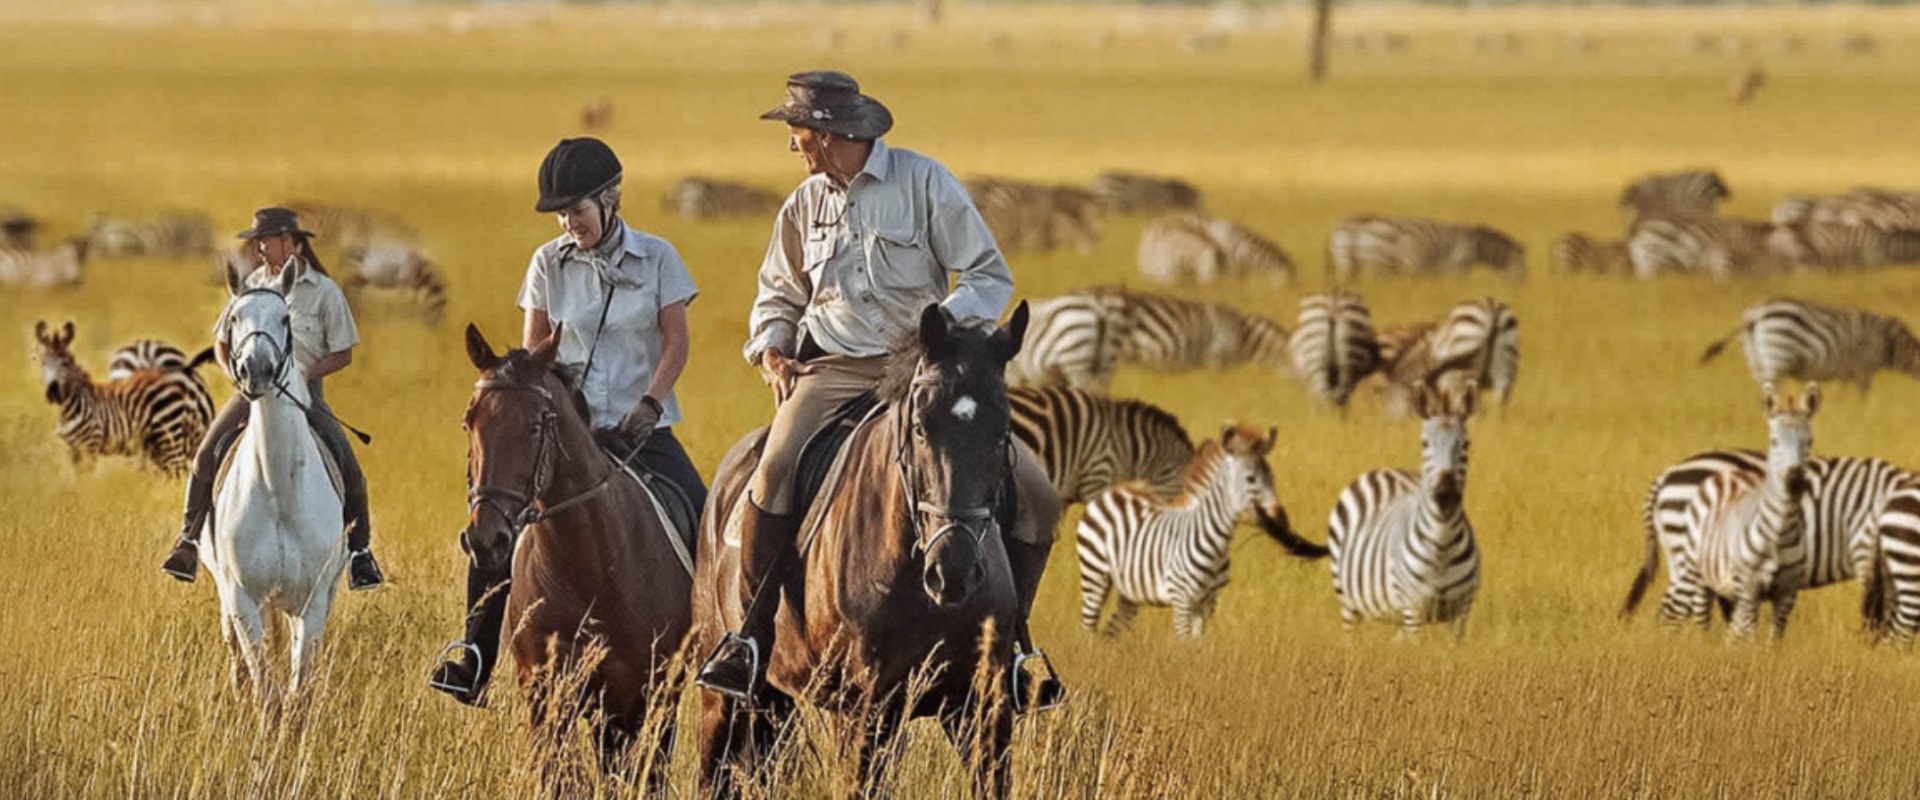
[(864, 244), (619, 296), (323, 339)]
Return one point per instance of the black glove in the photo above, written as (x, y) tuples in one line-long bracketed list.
[(639, 423)]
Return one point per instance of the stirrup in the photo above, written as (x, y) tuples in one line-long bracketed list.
[(1018, 673), (479, 666), (753, 664), (166, 567)]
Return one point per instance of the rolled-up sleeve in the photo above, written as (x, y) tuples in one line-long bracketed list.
[(964, 247), (533, 290), (782, 300), (340, 331)]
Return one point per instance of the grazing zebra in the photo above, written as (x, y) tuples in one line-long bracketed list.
[(159, 415), (1073, 340), (393, 266), (1034, 217), (1090, 443), (1891, 602), (1402, 546), (1829, 246), (1579, 253), (1786, 338), (1171, 334), (1863, 206), (696, 197), (1148, 550), (1404, 246), (179, 234), (1719, 248), (30, 269), (1750, 531), (1687, 194), (17, 229), (1333, 346), (1480, 341), (353, 228), (1843, 502), (1130, 193), (1192, 247)]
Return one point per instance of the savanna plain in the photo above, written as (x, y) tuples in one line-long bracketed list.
[(112, 677)]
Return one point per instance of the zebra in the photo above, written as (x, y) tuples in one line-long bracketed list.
[(158, 415), (179, 234), (1073, 340), (1480, 341), (1130, 193), (1827, 246), (1749, 531), (1401, 542), (1719, 248), (1333, 345), (1090, 443), (1787, 338), (1171, 334), (1579, 253), (1189, 246), (1406, 246), (394, 266), (153, 354), (1036, 217), (1841, 508), (351, 228), (1148, 550), (1862, 206), (1686, 194), (42, 269), (1891, 601), (697, 197)]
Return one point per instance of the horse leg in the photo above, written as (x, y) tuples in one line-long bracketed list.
[(236, 655), (308, 630), (733, 738), (252, 632), (983, 734)]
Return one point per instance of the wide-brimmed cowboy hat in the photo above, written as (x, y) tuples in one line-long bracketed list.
[(831, 101), (273, 222)]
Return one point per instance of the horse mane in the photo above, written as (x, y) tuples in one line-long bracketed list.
[(903, 360)]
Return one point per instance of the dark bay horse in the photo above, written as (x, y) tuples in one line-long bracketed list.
[(591, 564), (903, 568)]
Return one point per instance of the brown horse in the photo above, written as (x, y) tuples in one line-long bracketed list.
[(591, 567), (904, 568)]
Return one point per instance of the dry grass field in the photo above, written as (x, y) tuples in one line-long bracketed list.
[(112, 677)]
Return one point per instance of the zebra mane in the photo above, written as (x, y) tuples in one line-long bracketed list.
[(1206, 461)]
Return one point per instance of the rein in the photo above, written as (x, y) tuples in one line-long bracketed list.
[(530, 511), (969, 518), (283, 355)]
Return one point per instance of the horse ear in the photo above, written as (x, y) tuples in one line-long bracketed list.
[(479, 351), (1015, 332), (287, 277), (544, 352), (233, 279), (933, 330)]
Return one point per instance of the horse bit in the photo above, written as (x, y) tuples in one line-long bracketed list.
[(528, 513)]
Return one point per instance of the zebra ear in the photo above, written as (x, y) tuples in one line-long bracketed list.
[(40, 330), (1811, 404), (479, 351), (1769, 399), (66, 333), (1466, 400)]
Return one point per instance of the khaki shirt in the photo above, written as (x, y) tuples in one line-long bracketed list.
[(854, 267), (570, 285), (322, 322)]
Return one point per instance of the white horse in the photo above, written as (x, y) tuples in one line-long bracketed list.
[(276, 543)]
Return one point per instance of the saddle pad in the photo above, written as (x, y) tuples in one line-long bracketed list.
[(674, 509), (823, 447)]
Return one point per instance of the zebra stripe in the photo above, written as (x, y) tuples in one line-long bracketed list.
[(1480, 341), (1579, 253), (1864, 206), (1829, 246), (1073, 340), (1750, 530), (1034, 217), (41, 269), (1687, 194), (398, 267), (1366, 246), (1719, 248), (1090, 443), (351, 228), (1892, 599), (697, 197), (1402, 546), (1190, 247), (1129, 193), (1147, 550), (1333, 345), (1168, 333), (180, 234), (1787, 338), (158, 415)]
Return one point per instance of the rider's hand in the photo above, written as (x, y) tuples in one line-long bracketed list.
[(639, 423), (780, 372)]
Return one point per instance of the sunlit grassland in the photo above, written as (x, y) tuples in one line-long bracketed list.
[(111, 675)]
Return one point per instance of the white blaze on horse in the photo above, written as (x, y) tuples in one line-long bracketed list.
[(277, 545)]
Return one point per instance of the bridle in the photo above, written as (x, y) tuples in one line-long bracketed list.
[(282, 354), (975, 520), (523, 508)]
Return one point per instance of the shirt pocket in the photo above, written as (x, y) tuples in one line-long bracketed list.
[(902, 259), (309, 330)]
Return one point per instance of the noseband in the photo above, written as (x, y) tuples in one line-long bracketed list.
[(523, 508), (282, 354), (975, 520)]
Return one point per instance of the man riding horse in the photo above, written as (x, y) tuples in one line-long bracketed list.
[(323, 339), (859, 250)]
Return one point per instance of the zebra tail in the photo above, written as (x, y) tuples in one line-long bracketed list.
[(1713, 350), (1281, 530), (200, 359), (1650, 560)]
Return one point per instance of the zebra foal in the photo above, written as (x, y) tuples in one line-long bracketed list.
[(157, 415)]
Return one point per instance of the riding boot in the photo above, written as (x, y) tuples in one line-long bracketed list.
[(739, 663), (184, 562), (467, 665), (1047, 691), (362, 571)]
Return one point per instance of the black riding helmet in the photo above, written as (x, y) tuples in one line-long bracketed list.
[(576, 168)]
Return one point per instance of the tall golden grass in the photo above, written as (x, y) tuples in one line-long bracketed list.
[(112, 677)]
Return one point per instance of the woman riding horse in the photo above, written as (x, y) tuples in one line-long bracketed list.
[(618, 296), (865, 243), (323, 339)]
